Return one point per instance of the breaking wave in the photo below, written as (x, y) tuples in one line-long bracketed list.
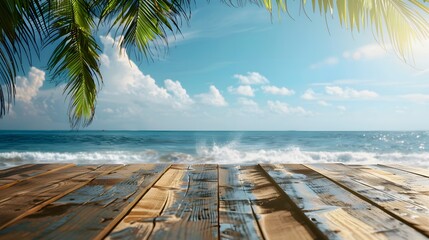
[(227, 154)]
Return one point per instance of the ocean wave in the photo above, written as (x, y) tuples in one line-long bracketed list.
[(227, 154)]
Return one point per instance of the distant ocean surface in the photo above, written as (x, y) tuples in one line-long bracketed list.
[(103, 147)]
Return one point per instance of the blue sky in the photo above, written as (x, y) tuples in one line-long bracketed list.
[(240, 69)]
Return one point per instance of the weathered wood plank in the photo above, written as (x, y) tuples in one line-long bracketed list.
[(415, 170), (402, 182), (15, 175), (30, 195), (181, 205), (278, 217), (379, 188), (336, 211), (14, 170), (140, 221), (237, 218), (91, 211)]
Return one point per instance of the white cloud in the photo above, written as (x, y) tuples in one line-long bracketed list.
[(248, 105), (178, 91), (366, 52), (125, 83), (251, 78), (349, 93), (416, 97), (370, 51), (330, 61), (28, 88), (278, 90), (245, 90), (247, 102), (309, 95), (36, 108), (213, 98), (284, 108)]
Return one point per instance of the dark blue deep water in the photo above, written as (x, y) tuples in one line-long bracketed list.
[(19, 147)]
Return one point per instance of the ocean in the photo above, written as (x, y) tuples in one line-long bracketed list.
[(225, 147)]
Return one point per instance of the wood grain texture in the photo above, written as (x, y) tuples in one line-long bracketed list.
[(387, 191), (336, 211), (415, 170), (90, 211), (12, 176), (237, 218), (140, 221), (278, 217), (30, 195), (183, 204)]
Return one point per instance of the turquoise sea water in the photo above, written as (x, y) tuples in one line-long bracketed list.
[(94, 147)]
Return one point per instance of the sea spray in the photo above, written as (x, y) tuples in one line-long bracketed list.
[(110, 147)]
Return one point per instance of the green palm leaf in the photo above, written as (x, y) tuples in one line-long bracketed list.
[(20, 25), (144, 21), (76, 56)]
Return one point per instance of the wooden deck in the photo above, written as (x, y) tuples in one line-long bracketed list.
[(154, 201)]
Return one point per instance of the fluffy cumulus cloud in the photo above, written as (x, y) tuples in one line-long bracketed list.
[(278, 90), (309, 95), (349, 93), (36, 108), (123, 78), (28, 87), (130, 92), (176, 89), (213, 98), (284, 108), (251, 78), (244, 90)]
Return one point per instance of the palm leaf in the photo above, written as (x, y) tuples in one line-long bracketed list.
[(403, 22), (20, 25), (76, 56), (142, 22)]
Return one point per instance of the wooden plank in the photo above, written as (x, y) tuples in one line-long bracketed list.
[(30, 195), (237, 218), (390, 196), (278, 217), (19, 174), (402, 182), (337, 212), (181, 205), (90, 211), (13, 170), (418, 171)]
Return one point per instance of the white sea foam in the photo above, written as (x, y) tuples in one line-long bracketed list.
[(227, 154)]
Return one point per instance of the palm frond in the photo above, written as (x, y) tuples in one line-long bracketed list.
[(141, 22), (403, 22), (76, 56), (20, 25)]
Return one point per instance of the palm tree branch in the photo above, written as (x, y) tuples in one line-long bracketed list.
[(76, 57)]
